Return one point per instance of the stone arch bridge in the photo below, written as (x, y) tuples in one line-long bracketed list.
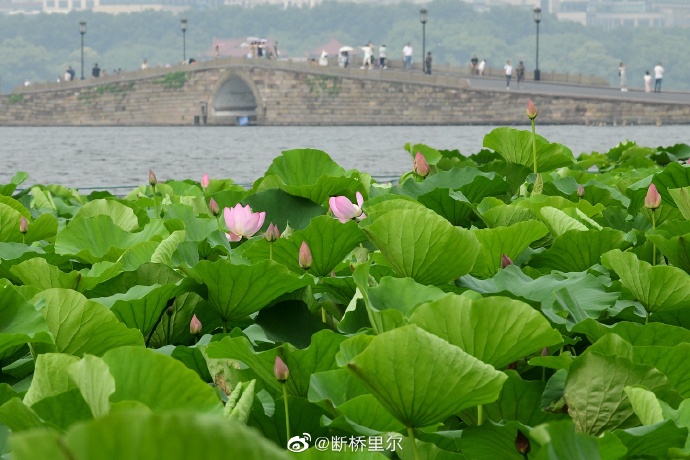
[(286, 93)]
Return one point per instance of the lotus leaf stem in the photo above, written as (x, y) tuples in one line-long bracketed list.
[(155, 202), (410, 434), (534, 146), (653, 243), (480, 414), (270, 251), (287, 414)]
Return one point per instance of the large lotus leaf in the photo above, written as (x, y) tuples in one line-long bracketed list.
[(81, 326), (150, 436), (158, 381), (645, 404), (504, 215), (283, 209), (50, 377), (175, 329), (141, 306), (594, 391), (422, 245), (64, 409), (560, 222), (95, 382), (654, 441), (39, 273), (671, 361), (402, 294), (496, 330), (19, 417), (196, 228), (303, 166), (123, 216), (20, 322), (676, 249), (378, 206), (472, 182), (164, 252), (565, 298), (681, 197), (318, 357), (330, 389), (515, 146), (145, 275), (236, 291), (422, 379), (45, 227), (652, 334), (510, 241), (657, 288), (577, 251), (454, 206), (673, 176), (367, 411), (9, 224), (329, 242), (535, 204), (559, 441), (96, 238), (490, 441)]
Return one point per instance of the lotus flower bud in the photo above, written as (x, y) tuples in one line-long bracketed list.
[(195, 326), (580, 191), (545, 352), (421, 167), (152, 178), (280, 370), (204, 181), (23, 225), (522, 444), (532, 111), (653, 199), (512, 366), (505, 261), (214, 208), (305, 259), (272, 233)]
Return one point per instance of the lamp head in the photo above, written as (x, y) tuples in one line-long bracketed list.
[(423, 15), (537, 15), (82, 27), (183, 25)]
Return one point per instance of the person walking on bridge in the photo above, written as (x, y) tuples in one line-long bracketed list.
[(427, 69), (407, 56), (647, 82), (509, 73), (658, 76)]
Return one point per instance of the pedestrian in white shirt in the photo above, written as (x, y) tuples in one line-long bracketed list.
[(509, 73), (658, 76)]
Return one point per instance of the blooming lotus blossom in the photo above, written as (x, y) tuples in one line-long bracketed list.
[(305, 258), (23, 225), (213, 207), (421, 167), (152, 178), (532, 111), (280, 370), (242, 222), (345, 210), (505, 261), (653, 199), (195, 326), (272, 233), (205, 181)]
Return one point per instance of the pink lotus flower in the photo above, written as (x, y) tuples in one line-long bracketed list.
[(242, 222), (532, 111), (305, 258), (280, 370), (205, 181), (195, 326), (344, 210), (505, 261), (272, 233), (421, 167), (653, 199), (23, 225)]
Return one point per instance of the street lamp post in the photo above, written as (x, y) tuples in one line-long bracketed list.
[(423, 18), (82, 31), (537, 19), (183, 26)]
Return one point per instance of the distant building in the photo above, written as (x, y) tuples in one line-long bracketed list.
[(609, 14)]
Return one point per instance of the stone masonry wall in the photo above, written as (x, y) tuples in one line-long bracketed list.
[(309, 97)]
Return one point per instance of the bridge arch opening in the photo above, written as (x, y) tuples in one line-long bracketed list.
[(234, 99)]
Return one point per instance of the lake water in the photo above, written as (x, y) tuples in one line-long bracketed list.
[(106, 157)]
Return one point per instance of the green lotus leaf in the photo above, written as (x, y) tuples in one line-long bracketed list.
[(318, 357), (676, 249), (139, 372), (681, 197), (422, 245), (496, 330), (510, 241), (95, 382), (504, 215), (50, 377), (19, 417), (535, 204), (577, 251), (145, 275), (402, 294), (329, 242), (422, 379), (81, 326), (594, 391), (284, 209), (653, 441), (142, 306), (656, 288), (671, 361), (652, 334), (673, 176), (9, 224), (378, 206), (45, 227), (151, 436), (330, 389), (453, 206), (175, 329), (123, 216), (645, 405), (164, 252), (92, 239), (196, 228), (559, 222), (138, 255), (473, 183), (515, 146), (565, 298), (39, 273), (20, 322), (64, 409), (559, 441), (367, 411), (236, 291)]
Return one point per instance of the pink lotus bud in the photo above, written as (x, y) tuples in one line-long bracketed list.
[(687, 162), (242, 222), (152, 178), (653, 199), (505, 261), (522, 444), (345, 210), (195, 326), (545, 352), (280, 370), (421, 167), (213, 207), (305, 259), (204, 181), (580, 191), (272, 233), (23, 225), (532, 111)]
